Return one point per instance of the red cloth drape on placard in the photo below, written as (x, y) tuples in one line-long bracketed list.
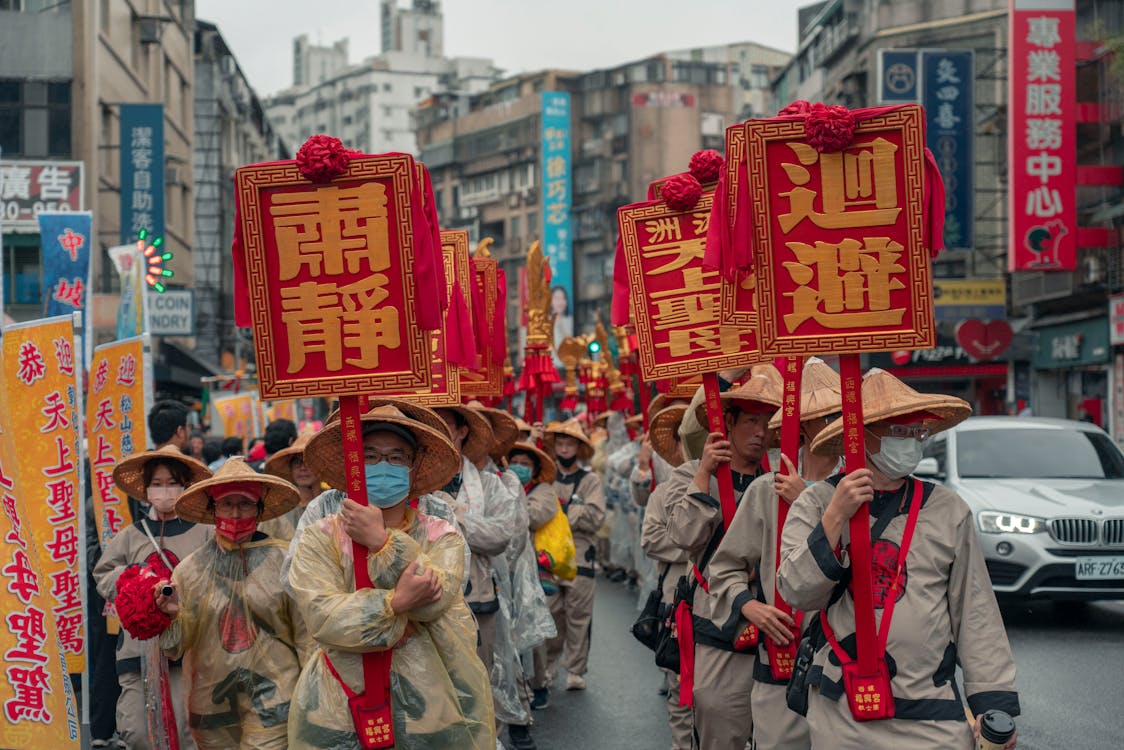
[(460, 343), (618, 311), (499, 322)]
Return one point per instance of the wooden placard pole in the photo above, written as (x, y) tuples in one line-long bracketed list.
[(862, 590), (716, 423), (782, 659)]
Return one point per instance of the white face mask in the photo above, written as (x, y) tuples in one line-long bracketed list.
[(897, 457), (163, 499)]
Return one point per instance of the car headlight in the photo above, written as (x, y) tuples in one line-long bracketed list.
[(992, 522)]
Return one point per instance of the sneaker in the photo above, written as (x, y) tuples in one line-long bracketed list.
[(520, 737), (575, 682), (540, 699)]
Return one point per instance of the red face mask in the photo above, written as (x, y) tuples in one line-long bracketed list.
[(236, 529)]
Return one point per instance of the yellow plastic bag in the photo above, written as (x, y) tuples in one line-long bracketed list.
[(556, 542)]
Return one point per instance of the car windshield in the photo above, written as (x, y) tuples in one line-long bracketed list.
[(1037, 454)]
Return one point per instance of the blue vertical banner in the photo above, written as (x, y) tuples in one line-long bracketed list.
[(142, 170), (948, 94), (65, 238), (898, 76), (556, 197)]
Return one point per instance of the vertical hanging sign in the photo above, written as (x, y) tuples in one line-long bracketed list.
[(142, 170)]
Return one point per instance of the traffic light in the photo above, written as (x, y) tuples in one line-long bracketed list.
[(594, 347)]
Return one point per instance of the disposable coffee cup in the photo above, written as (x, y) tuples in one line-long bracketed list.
[(996, 729)]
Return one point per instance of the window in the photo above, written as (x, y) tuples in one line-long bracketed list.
[(22, 274), (532, 224), (14, 5), (514, 230), (35, 118)]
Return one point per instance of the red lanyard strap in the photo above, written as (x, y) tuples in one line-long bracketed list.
[(916, 495)]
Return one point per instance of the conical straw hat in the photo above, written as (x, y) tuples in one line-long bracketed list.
[(765, 386), (435, 463), (278, 496), (664, 432), (571, 428), (547, 470), (505, 430), (885, 397), (422, 414), (279, 463), (820, 393), (129, 474)]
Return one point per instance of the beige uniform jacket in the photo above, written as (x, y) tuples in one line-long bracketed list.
[(694, 524), (946, 616), (657, 544), (486, 513), (583, 498), (177, 537)]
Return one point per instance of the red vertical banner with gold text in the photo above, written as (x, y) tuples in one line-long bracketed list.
[(116, 405), (37, 705), (40, 383), (1042, 135)]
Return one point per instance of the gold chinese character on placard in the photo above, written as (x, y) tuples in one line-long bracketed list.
[(858, 186), (331, 228), (315, 315), (845, 284)]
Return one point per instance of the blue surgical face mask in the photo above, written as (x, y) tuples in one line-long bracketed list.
[(387, 484), (521, 471)]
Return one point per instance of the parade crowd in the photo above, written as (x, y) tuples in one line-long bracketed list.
[(484, 539)]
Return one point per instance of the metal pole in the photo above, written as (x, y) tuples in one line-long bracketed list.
[(80, 435)]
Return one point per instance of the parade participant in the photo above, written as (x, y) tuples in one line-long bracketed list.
[(159, 476), (648, 460), (195, 445), (663, 436), (620, 450), (239, 635), (580, 492), (742, 572), (524, 430), (938, 607), (723, 654), (288, 464), (439, 689), (279, 435), (231, 447), (167, 425), (486, 514)]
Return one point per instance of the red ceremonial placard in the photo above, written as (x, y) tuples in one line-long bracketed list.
[(674, 301), (331, 289), (838, 238), (488, 380), (739, 298), (1042, 135)]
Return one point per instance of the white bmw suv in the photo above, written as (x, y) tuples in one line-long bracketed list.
[(1048, 499)]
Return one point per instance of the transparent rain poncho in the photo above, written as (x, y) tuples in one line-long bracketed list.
[(439, 689), (241, 641), (532, 623)]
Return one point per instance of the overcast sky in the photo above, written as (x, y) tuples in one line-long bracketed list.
[(519, 35)]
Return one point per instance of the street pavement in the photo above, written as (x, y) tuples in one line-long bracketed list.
[(1070, 660)]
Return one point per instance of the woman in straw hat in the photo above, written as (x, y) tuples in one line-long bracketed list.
[(663, 434), (288, 464), (945, 612), (440, 693), (694, 521), (580, 491), (237, 632), (742, 573), (155, 543)]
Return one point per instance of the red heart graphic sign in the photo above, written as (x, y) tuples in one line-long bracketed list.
[(984, 340)]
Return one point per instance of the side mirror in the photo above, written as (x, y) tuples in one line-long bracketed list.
[(928, 467)]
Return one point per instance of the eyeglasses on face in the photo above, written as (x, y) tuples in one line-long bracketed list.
[(915, 431), (394, 458)]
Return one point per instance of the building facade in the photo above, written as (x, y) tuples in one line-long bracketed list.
[(367, 105), (230, 130)]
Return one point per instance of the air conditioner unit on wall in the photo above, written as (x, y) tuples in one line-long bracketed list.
[(150, 30), (173, 175)]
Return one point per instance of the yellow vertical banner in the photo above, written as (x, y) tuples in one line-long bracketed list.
[(120, 391), (233, 415), (281, 409), (37, 704)]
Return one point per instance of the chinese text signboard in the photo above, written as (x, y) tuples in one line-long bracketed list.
[(116, 405), (236, 415), (1042, 133), (898, 76), (37, 707), (949, 99), (556, 174), (30, 187), (142, 170), (40, 381), (330, 278), (65, 239), (838, 238), (675, 303), (488, 380)]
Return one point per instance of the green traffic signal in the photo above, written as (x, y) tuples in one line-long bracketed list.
[(594, 347)]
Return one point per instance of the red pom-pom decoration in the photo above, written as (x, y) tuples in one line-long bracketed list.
[(798, 107), (136, 603), (323, 158), (829, 128), (681, 192), (706, 165)]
